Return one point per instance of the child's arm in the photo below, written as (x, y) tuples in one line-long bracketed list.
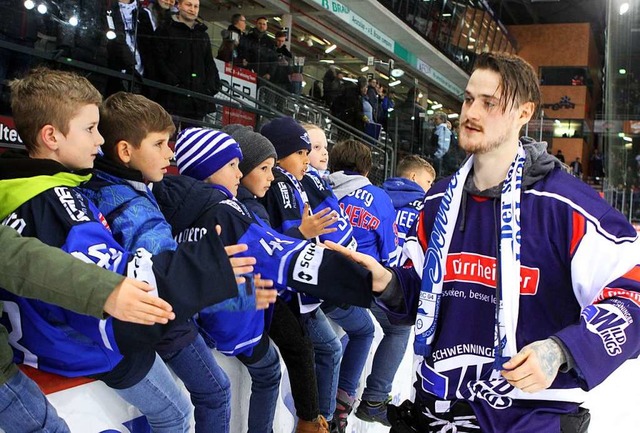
[(32, 269)]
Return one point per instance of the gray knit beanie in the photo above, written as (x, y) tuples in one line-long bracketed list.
[(255, 148)]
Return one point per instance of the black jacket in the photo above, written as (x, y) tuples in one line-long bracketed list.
[(185, 59), (261, 53)]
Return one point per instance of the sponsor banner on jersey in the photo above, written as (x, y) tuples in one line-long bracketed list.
[(608, 293), (609, 323), (479, 269), (308, 264)]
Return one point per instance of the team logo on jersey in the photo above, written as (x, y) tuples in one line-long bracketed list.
[(608, 322), (18, 224), (101, 255), (308, 264), (69, 203), (286, 197), (476, 268), (234, 204), (494, 392)]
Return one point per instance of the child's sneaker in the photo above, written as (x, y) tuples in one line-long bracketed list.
[(344, 406), (318, 425), (374, 411)]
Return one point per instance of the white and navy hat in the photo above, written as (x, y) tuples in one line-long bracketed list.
[(200, 152)]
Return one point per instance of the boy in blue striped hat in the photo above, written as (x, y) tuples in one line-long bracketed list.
[(294, 265)]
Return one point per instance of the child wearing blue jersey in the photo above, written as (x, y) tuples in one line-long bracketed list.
[(194, 207), (355, 321), (136, 132), (415, 177), (372, 216), (290, 211), (57, 115)]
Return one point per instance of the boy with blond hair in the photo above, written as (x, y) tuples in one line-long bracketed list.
[(415, 177), (57, 114), (137, 132)]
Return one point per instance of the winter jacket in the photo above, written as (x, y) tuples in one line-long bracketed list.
[(31, 269), (261, 53), (41, 199), (579, 285), (371, 214), (184, 59)]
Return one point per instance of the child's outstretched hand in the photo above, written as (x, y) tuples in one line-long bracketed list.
[(264, 295), (317, 224)]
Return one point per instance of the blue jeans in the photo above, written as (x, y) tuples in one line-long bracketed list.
[(160, 399), (207, 384), (358, 325), (23, 408), (388, 357), (328, 351), (265, 388)]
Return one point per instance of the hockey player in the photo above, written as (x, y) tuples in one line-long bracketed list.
[(136, 131), (193, 207), (56, 114), (522, 282)]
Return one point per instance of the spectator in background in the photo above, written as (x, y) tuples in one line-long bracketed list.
[(560, 156), (131, 52), (261, 50), (161, 11), (332, 84), (386, 105), (441, 139), (576, 168), (348, 107), (185, 60), (597, 166), (373, 97), (234, 42), (316, 91), (284, 59)]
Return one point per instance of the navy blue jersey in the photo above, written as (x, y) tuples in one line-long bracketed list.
[(50, 208)]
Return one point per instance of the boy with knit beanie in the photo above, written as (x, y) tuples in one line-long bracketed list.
[(194, 207), (289, 210)]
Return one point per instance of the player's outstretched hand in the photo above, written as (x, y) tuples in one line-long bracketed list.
[(317, 224), (131, 302), (265, 296), (380, 275), (535, 367)]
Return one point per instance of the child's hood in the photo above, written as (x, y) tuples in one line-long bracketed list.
[(402, 191), (344, 184)]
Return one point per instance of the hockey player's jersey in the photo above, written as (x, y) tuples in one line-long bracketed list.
[(580, 282), (193, 208), (46, 204), (371, 214)]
